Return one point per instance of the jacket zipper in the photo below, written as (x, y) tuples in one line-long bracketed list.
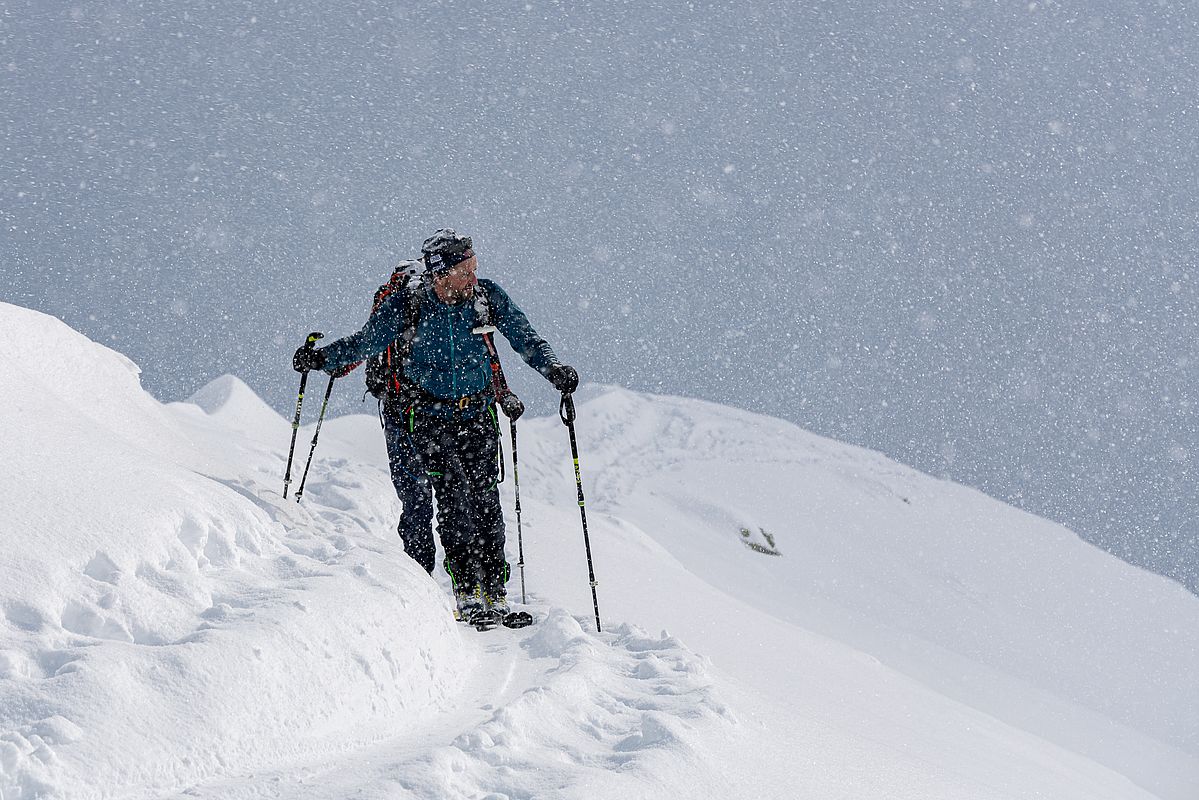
[(453, 361)]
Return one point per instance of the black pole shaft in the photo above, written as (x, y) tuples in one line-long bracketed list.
[(309, 344), (567, 412), (520, 543), (295, 429), (315, 435)]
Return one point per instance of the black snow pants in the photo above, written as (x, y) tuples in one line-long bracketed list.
[(461, 458), (411, 482)]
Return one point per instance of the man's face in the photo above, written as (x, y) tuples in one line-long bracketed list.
[(459, 281)]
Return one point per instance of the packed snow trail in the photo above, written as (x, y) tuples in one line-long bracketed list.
[(547, 711)]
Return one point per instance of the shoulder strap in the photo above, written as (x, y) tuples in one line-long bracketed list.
[(504, 397), (416, 290)]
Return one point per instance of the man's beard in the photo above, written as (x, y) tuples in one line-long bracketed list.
[(453, 296), (458, 295)]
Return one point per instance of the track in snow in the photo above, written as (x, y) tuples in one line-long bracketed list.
[(546, 709)]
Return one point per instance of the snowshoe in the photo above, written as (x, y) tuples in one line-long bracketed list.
[(495, 611), (486, 619), (517, 619)]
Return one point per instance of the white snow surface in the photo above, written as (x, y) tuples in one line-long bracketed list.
[(783, 615)]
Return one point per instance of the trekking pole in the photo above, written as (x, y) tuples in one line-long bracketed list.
[(309, 343), (520, 544), (315, 434), (512, 407), (567, 412)]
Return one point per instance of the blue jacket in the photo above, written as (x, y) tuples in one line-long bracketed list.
[(446, 360)]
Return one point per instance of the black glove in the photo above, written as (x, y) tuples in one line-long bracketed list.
[(564, 378), (511, 406), (308, 358)]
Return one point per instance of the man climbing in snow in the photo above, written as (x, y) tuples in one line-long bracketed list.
[(447, 402)]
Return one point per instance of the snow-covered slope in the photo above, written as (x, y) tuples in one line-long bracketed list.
[(1002, 610), (784, 616)]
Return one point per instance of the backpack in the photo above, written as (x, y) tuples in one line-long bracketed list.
[(384, 371)]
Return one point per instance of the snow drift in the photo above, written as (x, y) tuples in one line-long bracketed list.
[(166, 619), (839, 625)]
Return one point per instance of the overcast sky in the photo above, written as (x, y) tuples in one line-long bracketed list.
[(960, 233)]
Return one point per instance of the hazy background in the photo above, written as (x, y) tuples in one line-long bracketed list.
[(960, 233)]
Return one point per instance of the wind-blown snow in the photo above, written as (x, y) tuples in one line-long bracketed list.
[(784, 616)]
